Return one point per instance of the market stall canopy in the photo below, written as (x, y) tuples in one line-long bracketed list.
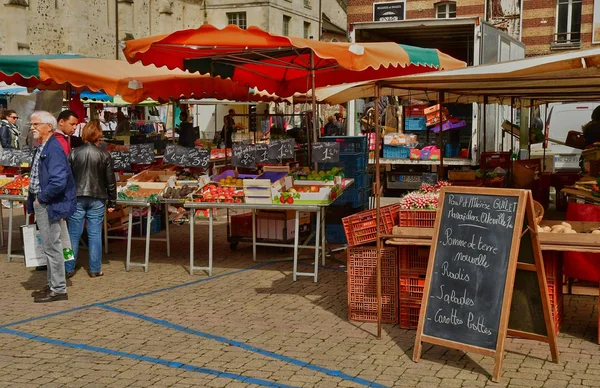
[(573, 76), (133, 82), (280, 64)]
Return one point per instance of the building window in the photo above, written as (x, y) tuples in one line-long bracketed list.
[(237, 18), (306, 30), (568, 22), (445, 10), (307, 4), (286, 25)]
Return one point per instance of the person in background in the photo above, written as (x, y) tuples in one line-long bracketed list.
[(339, 122), (51, 198), (331, 128), (228, 127), (123, 125), (591, 131), (265, 123), (66, 124), (95, 182), (9, 131), (186, 131)]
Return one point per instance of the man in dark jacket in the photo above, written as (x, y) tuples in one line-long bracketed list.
[(52, 197)]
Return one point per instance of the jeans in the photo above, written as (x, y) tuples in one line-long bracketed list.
[(91, 210), (53, 249)]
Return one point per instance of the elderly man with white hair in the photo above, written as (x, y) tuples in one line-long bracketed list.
[(52, 197)]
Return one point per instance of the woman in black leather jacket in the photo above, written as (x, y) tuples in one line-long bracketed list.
[(95, 182)]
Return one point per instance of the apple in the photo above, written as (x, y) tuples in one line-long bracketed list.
[(314, 189)]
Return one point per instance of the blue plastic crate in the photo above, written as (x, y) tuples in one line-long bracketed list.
[(354, 198), (334, 233), (452, 150), (415, 124), (348, 144), (352, 165), (398, 152)]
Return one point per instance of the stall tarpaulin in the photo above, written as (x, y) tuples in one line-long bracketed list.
[(133, 82)]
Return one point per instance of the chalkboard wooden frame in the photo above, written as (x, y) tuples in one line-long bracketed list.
[(524, 216)]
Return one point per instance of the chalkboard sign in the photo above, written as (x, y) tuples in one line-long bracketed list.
[(11, 157), (479, 236), (327, 152), (430, 178), (261, 152), (176, 155), (121, 160), (470, 268), (198, 157), (142, 153), (243, 155), (281, 149)]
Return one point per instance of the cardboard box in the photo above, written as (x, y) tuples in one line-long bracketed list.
[(279, 230), (153, 176)]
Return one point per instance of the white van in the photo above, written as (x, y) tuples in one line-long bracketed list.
[(562, 118)]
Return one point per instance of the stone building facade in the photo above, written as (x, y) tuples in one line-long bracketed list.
[(90, 27), (544, 26)]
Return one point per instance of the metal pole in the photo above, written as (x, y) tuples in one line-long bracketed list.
[(377, 193), (485, 101), (441, 136), (314, 104), (117, 29)]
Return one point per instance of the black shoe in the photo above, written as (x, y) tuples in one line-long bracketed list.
[(41, 268), (51, 296), (69, 275), (42, 292)]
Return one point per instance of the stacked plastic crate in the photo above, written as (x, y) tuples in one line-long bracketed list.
[(354, 162), (554, 277), (361, 234), (413, 268)]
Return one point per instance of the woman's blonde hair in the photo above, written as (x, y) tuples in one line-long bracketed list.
[(92, 132)]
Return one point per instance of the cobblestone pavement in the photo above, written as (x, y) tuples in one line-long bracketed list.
[(249, 325)]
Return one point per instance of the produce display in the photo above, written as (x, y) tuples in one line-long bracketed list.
[(178, 192), (231, 182), (4, 181), (214, 193), (187, 175), (133, 192), (426, 198), (315, 175), (17, 186), (565, 228)]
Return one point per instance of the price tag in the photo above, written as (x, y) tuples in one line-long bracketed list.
[(281, 149), (243, 155), (261, 152), (121, 160), (326, 152), (198, 157), (176, 155), (11, 157), (142, 153)]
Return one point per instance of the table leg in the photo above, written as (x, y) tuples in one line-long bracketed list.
[(167, 230), (2, 225), (105, 225), (191, 217), (296, 242), (317, 244), (10, 227), (323, 239), (129, 231), (148, 226), (210, 242), (253, 235)]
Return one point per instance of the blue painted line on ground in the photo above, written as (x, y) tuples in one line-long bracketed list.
[(339, 374), (154, 360), (136, 295)]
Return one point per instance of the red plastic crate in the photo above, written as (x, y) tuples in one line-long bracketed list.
[(417, 218), (491, 160), (411, 286), (415, 110), (362, 284), (553, 261), (413, 258), (361, 228), (409, 315)]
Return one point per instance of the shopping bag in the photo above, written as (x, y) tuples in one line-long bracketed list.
[(32, 246)]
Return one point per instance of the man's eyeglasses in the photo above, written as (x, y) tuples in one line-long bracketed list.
[(13, 117), (35, 125)]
